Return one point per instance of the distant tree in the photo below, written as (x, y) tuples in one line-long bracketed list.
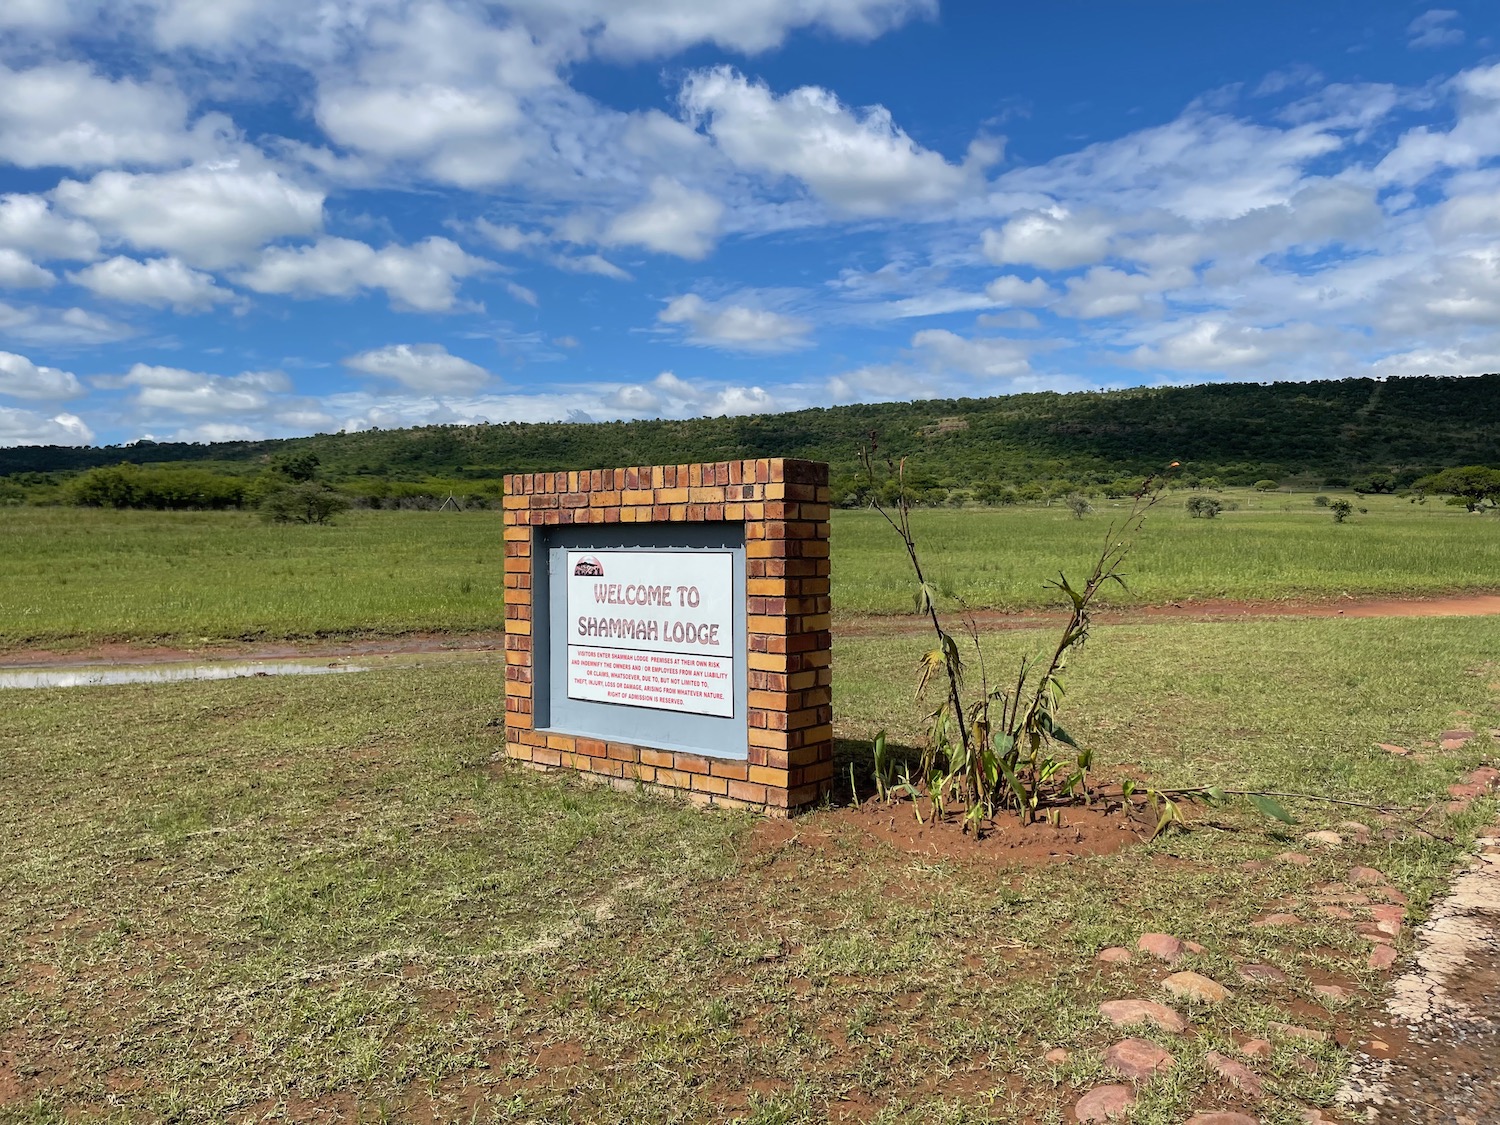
[(1212, 484), (1320, 501), (1473, 486), (1341, 509), (1078, 504), (1265, 486), (1203, 507), (308, 502), (296, 467)]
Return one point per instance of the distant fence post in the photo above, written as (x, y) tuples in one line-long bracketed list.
[(668, 626)]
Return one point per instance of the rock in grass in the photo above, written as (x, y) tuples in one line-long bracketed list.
[(1137, 1059), (1221, 1118), (1324, 839), (1124, 1013), (1336, 993), (1195, 986), (1256, 973), (1114, 955), (1256, 1048), (1237, 1074), (1367, 876), (1292, 1031), (1382, 957), (1454, 739), (1296, 859), (1057, 1056), (1162, 946), (1104, 1103)]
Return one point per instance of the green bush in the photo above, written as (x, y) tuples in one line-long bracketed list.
[(1341, 510), (1204, 507), (1265, 486), (308, 502), (1320, 501)]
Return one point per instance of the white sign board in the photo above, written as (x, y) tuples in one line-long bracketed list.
[(652, 629)]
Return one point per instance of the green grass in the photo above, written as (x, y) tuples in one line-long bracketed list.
[(232, 900), (75, 576)]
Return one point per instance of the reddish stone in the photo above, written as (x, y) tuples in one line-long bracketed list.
[(1256, 1048), (1114, 955), (1292, 1031), (1123, 1013), (1389, 918), (1193, 947), (1382, 957), (1335, 912), (1454, 739), (1104, 1103), (1392, 748), (1367, 876), (1222, 1119), (1262, 974), (1137, 1059), (1297, 859), (1057, 1056), (1324, 838), (1236, 1074), (1162, 946)]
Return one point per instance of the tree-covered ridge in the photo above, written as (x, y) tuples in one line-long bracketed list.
[(1335, 432)]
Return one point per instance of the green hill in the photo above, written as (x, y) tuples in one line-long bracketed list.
[(1332, 432)]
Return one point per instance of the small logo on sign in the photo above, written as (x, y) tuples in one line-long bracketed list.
[(589, 568)]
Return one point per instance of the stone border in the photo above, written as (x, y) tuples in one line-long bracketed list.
[(783, 505)]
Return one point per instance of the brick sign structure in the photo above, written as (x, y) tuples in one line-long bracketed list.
[(668, 627)]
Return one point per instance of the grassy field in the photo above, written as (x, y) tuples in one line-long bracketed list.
[(74, 576), (322, 899)]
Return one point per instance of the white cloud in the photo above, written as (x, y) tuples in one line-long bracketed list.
[(590, 263), (210, 216), (424, 276), (1473, 139), (1215, 344), (671, 396), (17, 271), (673, 219), (24, 427), (860, 163), (987, 358), (63, 114), (1009, 290), (427, 368), (28, 224), (641, 28), (20, 378), (1107, 292), (735, 327), (1054, 239), (159, 282), (1434, 29), (179, 391), (59, 327), (1463, 358), (521, 293)]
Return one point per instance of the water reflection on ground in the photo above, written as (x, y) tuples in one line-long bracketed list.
[(165, 673)]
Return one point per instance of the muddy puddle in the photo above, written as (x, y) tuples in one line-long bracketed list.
[(96, 676)]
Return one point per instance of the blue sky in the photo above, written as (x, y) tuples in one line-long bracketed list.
[(246, 218)]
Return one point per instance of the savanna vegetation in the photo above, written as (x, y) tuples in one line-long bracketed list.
[(80, 576), (1373, 436)]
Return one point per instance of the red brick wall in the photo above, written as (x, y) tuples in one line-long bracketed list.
[(783, 505)]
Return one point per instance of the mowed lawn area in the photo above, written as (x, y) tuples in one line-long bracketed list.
[(326, 899), (71, 576)]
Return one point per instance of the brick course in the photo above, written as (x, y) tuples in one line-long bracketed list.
[(783, 505)]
